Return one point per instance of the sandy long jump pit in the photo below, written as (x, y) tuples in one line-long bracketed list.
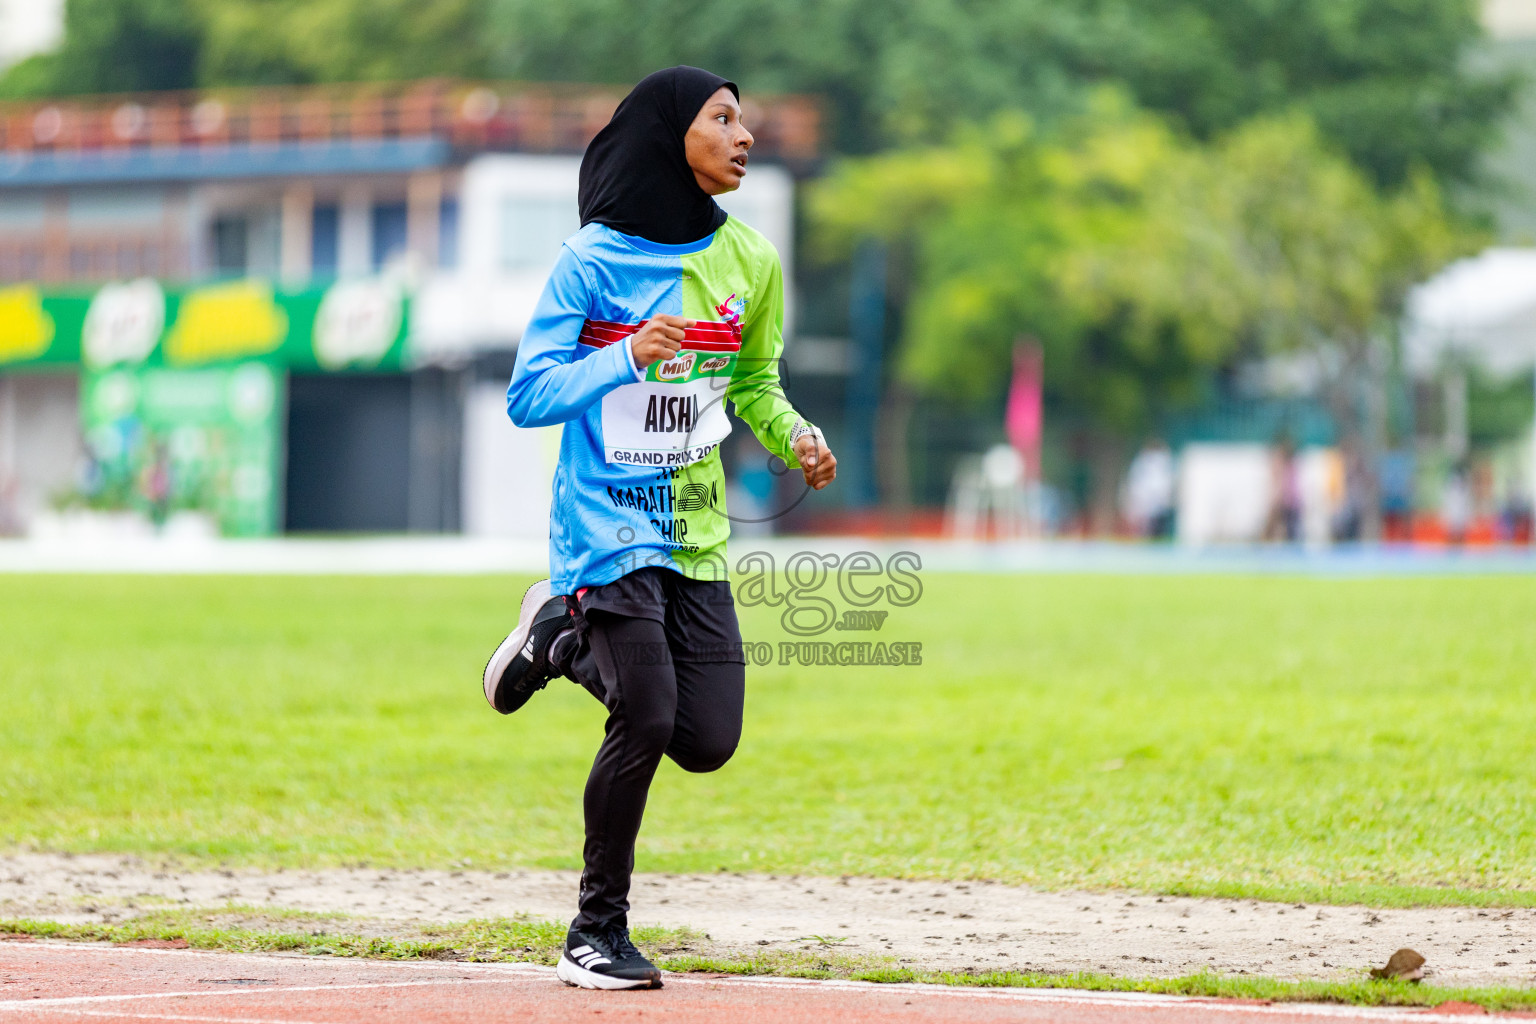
[(924, 925)]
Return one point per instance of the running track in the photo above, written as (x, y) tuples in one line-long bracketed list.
[(93, 984)]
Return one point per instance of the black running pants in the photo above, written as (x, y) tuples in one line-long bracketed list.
[(659, 701)]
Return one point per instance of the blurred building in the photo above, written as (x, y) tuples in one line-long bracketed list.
[(297, 308)]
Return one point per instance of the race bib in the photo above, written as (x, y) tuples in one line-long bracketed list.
[(675, 416)]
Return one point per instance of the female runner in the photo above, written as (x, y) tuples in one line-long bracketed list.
[(658, 309)]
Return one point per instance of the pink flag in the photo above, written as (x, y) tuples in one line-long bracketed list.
[(1024, 416)]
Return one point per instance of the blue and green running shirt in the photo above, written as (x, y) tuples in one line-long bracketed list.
[(639, 480)]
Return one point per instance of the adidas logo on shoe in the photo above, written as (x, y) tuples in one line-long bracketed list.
[(588, 957), (605, 961)]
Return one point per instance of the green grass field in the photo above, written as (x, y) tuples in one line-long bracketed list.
[(1272, 737)]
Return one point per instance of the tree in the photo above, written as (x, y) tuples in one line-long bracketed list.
[(132, 45), (254, 42), (1140, 259), (1386, 80), (114, 46), (1334, 259), (1008, 233)]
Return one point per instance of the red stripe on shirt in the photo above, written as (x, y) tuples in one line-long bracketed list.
[(704, 336)]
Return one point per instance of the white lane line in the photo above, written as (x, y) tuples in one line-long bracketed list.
[(120, 1014), (24, 1004), (316, 960)]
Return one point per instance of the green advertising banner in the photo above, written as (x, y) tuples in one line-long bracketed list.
[(164, 440), (352, 325), (183, 391)]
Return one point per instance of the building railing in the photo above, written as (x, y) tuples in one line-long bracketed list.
[(95, 256), (470, 116)]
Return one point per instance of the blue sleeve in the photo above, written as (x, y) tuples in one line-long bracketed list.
[(549, 384)]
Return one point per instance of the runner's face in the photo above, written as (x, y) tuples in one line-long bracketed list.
[(717, 144)]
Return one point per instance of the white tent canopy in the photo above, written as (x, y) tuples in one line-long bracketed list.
[(1482, 310)]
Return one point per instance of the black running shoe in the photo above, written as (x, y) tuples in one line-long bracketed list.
[(607, 960), (520, 667)]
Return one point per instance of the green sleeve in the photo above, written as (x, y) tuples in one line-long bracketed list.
[(755, 390)]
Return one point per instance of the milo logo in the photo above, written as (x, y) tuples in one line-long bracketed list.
[(714, 365), (676, 369)]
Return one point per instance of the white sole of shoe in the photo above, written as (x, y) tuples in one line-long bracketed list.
[(533, 600), (572, 973)]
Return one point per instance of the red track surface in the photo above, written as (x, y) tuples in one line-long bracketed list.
[(83, 983)]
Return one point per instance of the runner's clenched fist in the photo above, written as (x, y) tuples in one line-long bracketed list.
[(658, 338), (817, 462)]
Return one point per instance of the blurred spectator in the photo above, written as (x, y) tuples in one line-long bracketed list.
[(1147, 499), (1397, 469), (1515, 519), (1481, 483), (1456, 503), (1285, 505), (155, 483), (10, 505), (1514, 497), (1320, 473)]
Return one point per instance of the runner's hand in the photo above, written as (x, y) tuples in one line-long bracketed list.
[(658, 338), (816, 461)]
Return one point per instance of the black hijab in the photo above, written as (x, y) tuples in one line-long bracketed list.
[(635, 176)]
